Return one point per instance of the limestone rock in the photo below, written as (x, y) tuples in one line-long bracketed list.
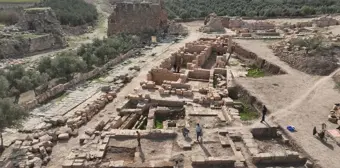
[(64, 136)]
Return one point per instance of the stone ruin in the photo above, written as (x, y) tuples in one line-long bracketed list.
[(174, 97), (324, 21), (137, 17), (37, 30), (167, 101), (213, 23)]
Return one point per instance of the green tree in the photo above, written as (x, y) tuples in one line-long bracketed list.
[(10, 116), (307, 10)]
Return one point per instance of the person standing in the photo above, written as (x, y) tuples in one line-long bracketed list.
[(264, 112), (198, 131), (138, 138)]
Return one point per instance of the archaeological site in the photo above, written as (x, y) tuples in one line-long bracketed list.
[(153, 84)]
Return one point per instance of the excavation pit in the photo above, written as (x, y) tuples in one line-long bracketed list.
[(114, 153)]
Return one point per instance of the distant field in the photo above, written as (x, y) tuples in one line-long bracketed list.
[(19, 1)]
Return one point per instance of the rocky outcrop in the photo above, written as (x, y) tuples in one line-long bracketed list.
[(137, 17), (40, 30), (26, 44), (40, 20)]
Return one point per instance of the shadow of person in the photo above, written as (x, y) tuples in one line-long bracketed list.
[(330, 146), (205, 150), (188, 139), (142, 156), (265, 123)]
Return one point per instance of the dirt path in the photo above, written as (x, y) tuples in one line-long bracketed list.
[(296, 99), (307, 95)]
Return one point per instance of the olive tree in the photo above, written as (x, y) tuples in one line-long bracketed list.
[(10, 116)]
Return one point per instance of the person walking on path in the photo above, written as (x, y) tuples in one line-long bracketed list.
[(198, 131), (138, 138), (264, 112)]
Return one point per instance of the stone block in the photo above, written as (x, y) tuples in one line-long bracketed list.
[(90, 131), (106, 140), (77, 165), (186, 146), (102, 147), (99, 125), (221, 161), (279, 156), (67, 164), (45, 138), (197, 159), (116, 164), (64, 136), (27, 143)]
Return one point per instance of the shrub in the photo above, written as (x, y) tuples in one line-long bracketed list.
[(73, 12), (266, 8), (10, 115), (9, 17), (16, 79)]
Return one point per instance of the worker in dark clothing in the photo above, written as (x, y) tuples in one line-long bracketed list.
[(264, 112), (138, 138), (198, 131), (185, 132), (175, 67)]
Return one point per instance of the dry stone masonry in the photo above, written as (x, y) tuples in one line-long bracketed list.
[(136, 17)]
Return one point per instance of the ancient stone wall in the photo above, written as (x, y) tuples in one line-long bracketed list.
[(24, 46), (43, 42), (137, 17), (159, 75), (199, 74)]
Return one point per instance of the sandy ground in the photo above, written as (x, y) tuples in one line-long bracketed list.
[(297, 99)]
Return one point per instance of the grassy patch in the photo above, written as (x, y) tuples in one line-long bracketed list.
[(337, 86), (61, 97), (159, 122), (255, 72), (19, 1), (248, 113)]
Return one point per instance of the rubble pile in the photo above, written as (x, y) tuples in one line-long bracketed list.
[(212, 23), (324, 21), (82, 117), (316, 61), (176, 29)]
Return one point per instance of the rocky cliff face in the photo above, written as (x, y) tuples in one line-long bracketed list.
[(24, 45), (136, 17), (39, 30)]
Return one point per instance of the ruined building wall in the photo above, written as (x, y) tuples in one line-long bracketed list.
[(159, 75), (137, 17)]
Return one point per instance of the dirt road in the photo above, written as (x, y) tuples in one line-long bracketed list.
[(297, 99)]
